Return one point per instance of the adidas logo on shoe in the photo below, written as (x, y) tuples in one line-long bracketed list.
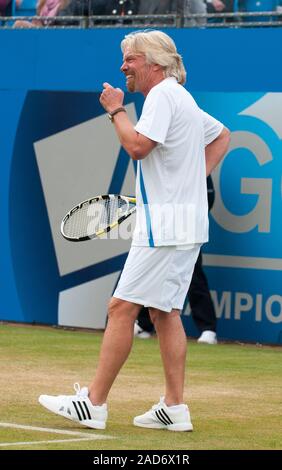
[(77, 407), (161, 416)]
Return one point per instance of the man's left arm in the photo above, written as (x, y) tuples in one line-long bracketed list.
[(216, 150)]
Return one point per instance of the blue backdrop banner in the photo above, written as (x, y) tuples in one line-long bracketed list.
[(58, 147)]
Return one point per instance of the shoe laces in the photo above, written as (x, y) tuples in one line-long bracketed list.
[(80, 392), (161, 403)]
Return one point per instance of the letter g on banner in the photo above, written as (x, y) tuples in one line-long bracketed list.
[(260, 215)]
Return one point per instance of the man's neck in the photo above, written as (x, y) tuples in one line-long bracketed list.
[(157, 79)]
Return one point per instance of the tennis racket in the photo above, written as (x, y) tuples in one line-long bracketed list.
[(96, 216)]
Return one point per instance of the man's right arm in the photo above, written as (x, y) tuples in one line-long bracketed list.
[(138, 146), (135, 144)]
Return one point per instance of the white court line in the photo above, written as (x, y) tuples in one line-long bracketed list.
[(5, 444), (50, 430), (84, 435)]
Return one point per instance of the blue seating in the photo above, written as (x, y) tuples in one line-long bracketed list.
[(26, 8), (259, 6)]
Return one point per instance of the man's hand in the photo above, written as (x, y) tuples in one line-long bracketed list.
[(111, 98)]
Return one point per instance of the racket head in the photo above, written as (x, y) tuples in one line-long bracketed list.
[(96, 216)]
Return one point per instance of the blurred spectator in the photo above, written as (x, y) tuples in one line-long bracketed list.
[(220, 6), (156, 7), (124, 7), (45, 8), (194, 7), (52, 8), (99, 8), (4, 4), (88, 8), (6, 7), (160, 7)]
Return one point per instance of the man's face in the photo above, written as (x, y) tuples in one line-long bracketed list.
[(138, 73)]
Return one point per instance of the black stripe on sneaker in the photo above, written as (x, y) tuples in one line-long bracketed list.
[(86, 409), (77, 411), (160, 418), (81, 409), (165, 415)]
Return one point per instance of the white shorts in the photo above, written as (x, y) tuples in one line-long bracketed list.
[(157, 277)]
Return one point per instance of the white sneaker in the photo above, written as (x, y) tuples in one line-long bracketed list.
[(140, 333), (208, 337), (77, 408), (162, 416)]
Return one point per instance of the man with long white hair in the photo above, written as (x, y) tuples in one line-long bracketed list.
[(175, 145)]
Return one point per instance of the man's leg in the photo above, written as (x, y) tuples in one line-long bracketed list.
[(173, 346), (144, 320), (203, 312), (116, 346)]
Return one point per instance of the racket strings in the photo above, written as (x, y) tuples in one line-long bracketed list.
[(95, 217)]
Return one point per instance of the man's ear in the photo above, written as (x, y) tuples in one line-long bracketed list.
[(157, 67)]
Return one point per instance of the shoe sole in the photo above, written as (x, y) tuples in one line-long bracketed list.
[(86, 422), (170, 427)]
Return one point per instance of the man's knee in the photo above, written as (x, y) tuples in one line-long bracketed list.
[(153, 312), (158, 315), (114, 307), (119, 308)]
